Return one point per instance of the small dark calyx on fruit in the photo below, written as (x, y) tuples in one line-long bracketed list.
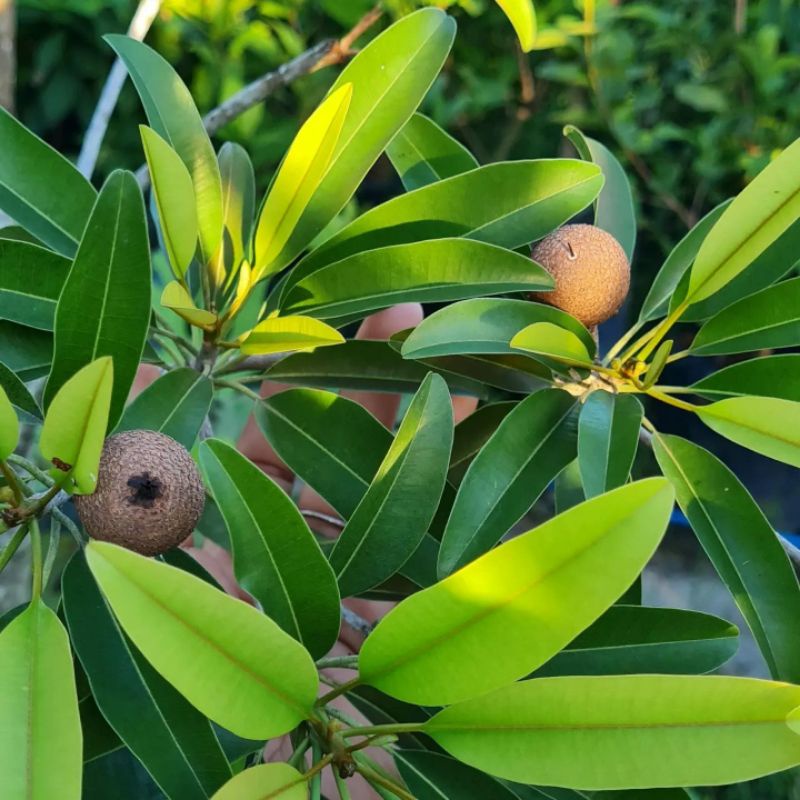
[(146, 490)]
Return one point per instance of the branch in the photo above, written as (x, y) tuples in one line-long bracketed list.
[(95, 133), (354, 621)]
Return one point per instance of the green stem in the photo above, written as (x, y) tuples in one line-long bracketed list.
[(622, 341), (677, 389), (662, 330), (177, 338), (31, 469), (13, 482), (380, 730), (345, 662), (314, 774), (239, 387), (338, 691), (172, 348), (373, 776), (341, 785), (296, 759), (53, 541), (12, 546), (678, 356), (36, 559), (672, 401), (69, 525)]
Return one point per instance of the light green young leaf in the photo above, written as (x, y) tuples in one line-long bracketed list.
[(285, 334), (423, 153), (9, 426), (177, 299), (75, 425), (298, 178), (174, 194), (522, 15), (35, 181), (623, 732), (755, 219), (509, 600), (275, 556), (172, 114), (40, 739), (224, 656), (274, 781), (767, 425), (552, 341)]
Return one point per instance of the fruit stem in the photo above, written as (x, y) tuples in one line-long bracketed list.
[(36, 559), (622, 341)]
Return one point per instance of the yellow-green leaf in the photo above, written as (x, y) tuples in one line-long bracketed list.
[(767, 425), (9, 426), (522, 16), (298, 177), (265, 782), (174, 193), (176, 298), (224, 656), (75, 425), (40, 735), (284, 334), (547, 339)]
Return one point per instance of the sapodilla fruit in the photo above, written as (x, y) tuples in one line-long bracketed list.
[(149, 493), (591, 271)]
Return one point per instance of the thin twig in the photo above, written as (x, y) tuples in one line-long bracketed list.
[(357, 623), (344, 48), (330, 519), (146, 12), (253, 364)]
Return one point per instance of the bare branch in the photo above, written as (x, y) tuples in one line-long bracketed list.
[(354, 621)]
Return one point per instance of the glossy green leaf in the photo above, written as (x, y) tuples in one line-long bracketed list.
[(621, 732), (274, 781), (767, 425), (104, 308), (631, 639), (174, 742), (391, 519), (175, 404), (17, 392), (752, 222), (238, 207), (334, 444), (509, 601), (40, 740), (613, 209), (298, 178), (522, 16), (34, 182), (423, 153), (225, 657), (26, 351), (472, 433), (608, 436), (568, 488), (742, 546), (275, 556), (678, 263), (75, 426), (769, 376), (529, 200), (485, 325), (284, 334), (643, 794), (390, 76), (529, 448), (30, 283), (9, 426), (769, 319), (431, 271), (172, 114), (174, 195), (552, 341), (177, 299)]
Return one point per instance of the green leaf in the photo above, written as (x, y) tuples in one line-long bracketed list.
[(472, 433), (104, 308), (26, 351), (766, 425), (423, 153), (18, 393), (275, 556), (75, 425), (390, 76), (552, 341), (752, 222), (529, 200), (283, 334), (742, 546), (226, 658), (175, 404), (275, 781), (608, 436), (334, 444), (568, 488), (769, 319), (529, 448), (644, 794), (620, 732), (613, 208), (174, 194), (768, 376), (238, 206), (177, 299), (172, 114), (298, 178), (394, 514), (40, 741), (509, 601), (30, 283), (380, 709), (637, 639), (522, 15), (9, 426), (35, 180), (174, 742), (432, 271), (678, 263)]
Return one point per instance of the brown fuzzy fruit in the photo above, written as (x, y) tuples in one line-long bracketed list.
[(149, 494), (591, 272)]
